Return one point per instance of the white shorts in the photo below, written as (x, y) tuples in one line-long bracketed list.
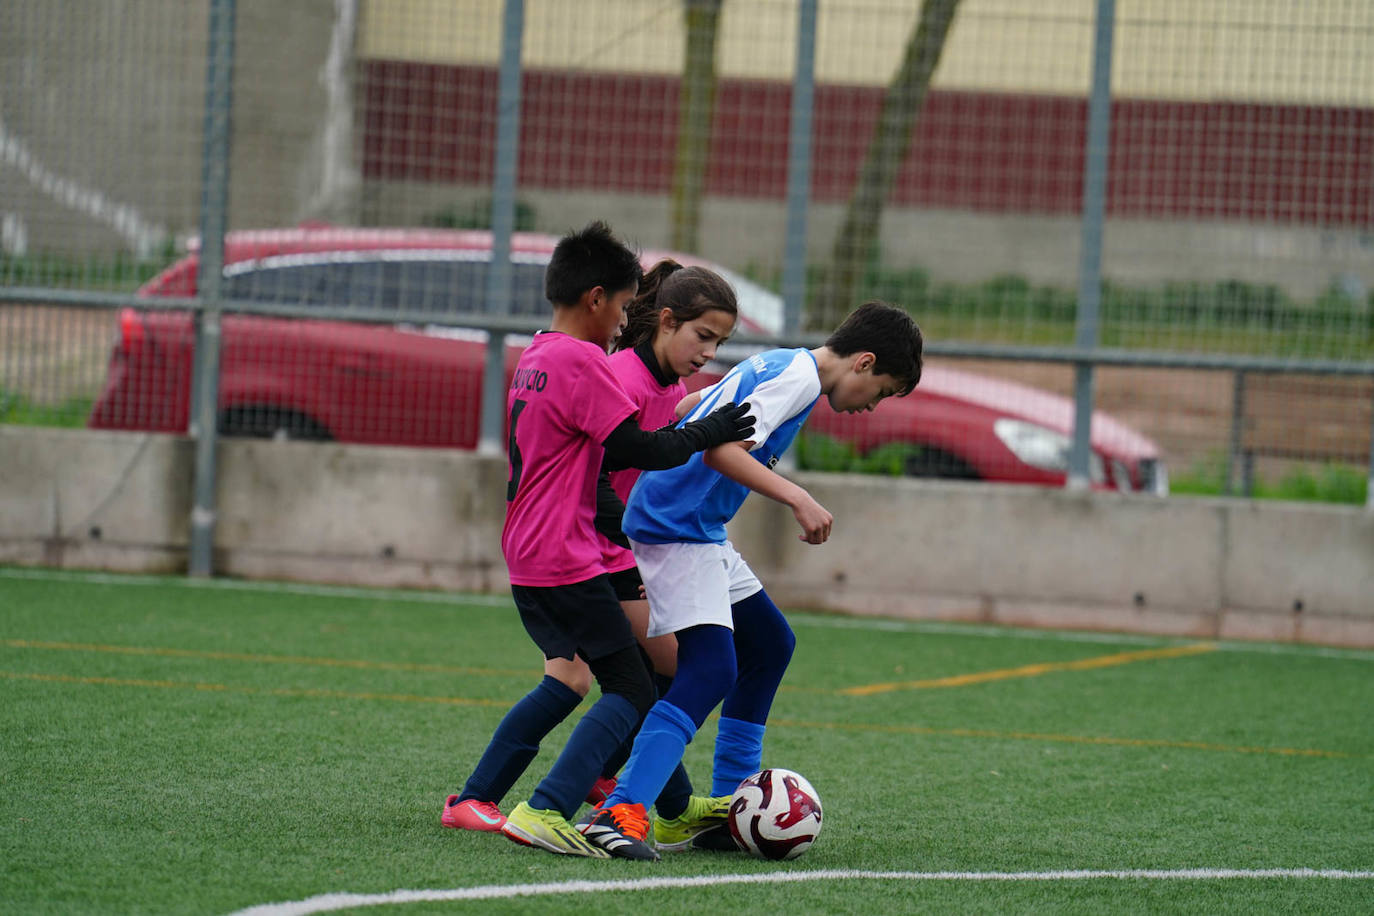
[(690, 583)]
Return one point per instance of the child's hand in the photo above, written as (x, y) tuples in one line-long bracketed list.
[(727, 423), (814, 520)]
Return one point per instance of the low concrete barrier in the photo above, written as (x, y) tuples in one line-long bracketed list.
[(904, 548)]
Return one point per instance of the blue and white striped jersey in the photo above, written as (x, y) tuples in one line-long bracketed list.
[(692, 502)]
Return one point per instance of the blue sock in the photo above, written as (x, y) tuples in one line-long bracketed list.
[(616, 763), (663, 737), (517, 738), (739, 752), (672, 801), (595, 738)]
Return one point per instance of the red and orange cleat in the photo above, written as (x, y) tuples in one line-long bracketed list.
[(471, 814)]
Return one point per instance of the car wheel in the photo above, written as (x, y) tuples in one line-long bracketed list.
[(927, 461), (270, 423)]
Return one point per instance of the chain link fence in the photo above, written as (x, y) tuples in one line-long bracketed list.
[(383, 153)]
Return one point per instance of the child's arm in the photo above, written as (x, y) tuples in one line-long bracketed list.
[(734, 461), (684, 406), (628, 446)]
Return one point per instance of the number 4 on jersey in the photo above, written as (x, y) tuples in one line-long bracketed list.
[(516, 462)]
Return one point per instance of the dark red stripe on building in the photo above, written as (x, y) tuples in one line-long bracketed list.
[(998, 152)]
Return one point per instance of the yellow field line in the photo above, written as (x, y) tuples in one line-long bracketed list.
[(1065, 739), (1003, 674), (232, 688), (271, 659), (780, 723)]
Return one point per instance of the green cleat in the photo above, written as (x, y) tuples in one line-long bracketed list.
[(548, 830), (703, 814)]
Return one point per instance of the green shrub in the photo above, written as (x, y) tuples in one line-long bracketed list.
[(1330, 482), (18, 410), (118, 272)]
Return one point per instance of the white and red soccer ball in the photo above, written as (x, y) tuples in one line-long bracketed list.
[(775, 814)]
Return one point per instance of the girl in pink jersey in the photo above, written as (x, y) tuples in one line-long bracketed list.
[(568, 407)]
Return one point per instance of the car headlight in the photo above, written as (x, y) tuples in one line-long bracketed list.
[(1043, 448)]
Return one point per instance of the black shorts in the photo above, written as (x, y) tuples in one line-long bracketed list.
[(584, 618), (626, 583)]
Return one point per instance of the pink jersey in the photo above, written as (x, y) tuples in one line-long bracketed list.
[(563, 403), (657, 401)]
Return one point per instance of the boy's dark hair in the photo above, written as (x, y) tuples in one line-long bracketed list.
[(586, 259), (887, 332), (688, 292)]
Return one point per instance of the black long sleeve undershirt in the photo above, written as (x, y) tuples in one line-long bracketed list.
[(609, 510), (628, 446)]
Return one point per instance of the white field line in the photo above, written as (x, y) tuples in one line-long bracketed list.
[(797, 619), (324, 903)]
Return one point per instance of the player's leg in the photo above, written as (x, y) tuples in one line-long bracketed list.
[(680, 815), (617, 828), (626, 693), (763, 646), (706, 666), (589, 621), (661, 652), (688, 594), (515, 743)]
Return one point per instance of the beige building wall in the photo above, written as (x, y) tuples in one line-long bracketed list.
[(431, 518), (1319, 52), (1271, 51)]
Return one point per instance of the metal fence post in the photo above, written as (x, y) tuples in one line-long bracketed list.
[(1090, 262), (219, 74), (1228, 486), (502, 225), (799, 170), (1369, 480)]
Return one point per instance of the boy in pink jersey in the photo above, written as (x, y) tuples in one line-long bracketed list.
[(567, 414), (674, 325)]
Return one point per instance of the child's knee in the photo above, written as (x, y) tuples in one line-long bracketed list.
[(623, 673), (571, 673), (787, 643)]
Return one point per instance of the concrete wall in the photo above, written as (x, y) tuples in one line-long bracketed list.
[(902, 548), (102, 114)]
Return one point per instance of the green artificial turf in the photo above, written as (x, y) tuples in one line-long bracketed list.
[(172, 746)]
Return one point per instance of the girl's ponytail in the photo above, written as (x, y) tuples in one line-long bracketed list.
[(641, 315)]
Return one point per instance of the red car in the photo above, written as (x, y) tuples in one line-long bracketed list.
[(421, 385)]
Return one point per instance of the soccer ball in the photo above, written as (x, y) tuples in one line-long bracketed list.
[(775, 814)]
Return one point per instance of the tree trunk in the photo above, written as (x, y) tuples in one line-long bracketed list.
[(696, 106), (856, 242)]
